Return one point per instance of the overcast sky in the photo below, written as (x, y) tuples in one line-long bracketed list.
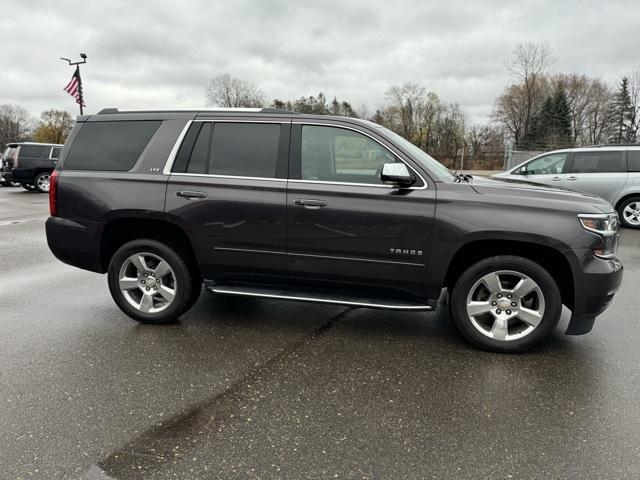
[(162, 53)]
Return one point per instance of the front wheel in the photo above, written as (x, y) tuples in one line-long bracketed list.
[(629, 212), (150, 281), (505, 303)]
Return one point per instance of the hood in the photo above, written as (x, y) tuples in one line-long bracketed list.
[(532, 192)]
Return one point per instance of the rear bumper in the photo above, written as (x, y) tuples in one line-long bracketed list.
[(595, 286), (74, 243), (22, 175)]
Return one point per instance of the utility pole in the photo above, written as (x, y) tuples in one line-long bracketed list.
[(77, 74)]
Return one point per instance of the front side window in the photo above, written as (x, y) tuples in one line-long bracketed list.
[(598, 162), (339, 155), (230, 149), (548, 165), (110, 146)]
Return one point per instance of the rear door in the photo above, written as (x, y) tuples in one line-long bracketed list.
[(548, 169), (600, 172), (227, 189), (347, 229)]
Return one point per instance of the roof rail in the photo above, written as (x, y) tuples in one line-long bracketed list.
[(213, 110)]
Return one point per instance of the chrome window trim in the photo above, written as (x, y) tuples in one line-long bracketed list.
[(51, 152), (237, 177), (174, 151), (334, 125)]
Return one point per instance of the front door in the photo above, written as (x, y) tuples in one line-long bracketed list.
[(345, 228), (547, 170), (228, 191)]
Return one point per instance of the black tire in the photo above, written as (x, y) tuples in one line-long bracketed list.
[(41, 182), (184, 281), (546, 284), (623, 220), (27, 187)]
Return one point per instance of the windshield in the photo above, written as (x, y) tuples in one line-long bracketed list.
[(427, 161)]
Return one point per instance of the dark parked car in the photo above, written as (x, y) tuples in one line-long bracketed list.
[(30, 164), (268, 203)]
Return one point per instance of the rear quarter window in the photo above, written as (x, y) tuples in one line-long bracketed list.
[(112, 146)]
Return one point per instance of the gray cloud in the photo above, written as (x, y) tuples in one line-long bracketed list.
[(162, 53)]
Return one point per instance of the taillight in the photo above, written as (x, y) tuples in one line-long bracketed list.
[(53, 193), (15, 158)]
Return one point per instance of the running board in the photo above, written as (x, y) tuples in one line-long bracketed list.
[(309, 296)]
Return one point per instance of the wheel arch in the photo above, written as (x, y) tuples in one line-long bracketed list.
[(554, 261), (626, 197), (121, 230)]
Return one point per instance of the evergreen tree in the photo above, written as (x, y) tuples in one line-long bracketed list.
[(621, 110), (561, 123)]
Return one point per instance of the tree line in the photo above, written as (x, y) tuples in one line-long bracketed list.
[(16, 125), (538, 110)]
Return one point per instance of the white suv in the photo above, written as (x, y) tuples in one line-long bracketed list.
[(609, 171)]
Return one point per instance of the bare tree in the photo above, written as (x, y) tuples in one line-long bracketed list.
[(15, 125), (405, 102), (227, 91), (598, 115), (54, 127), (528, 65), (634, 93)]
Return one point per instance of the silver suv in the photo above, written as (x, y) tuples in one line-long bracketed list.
[(610, 172)]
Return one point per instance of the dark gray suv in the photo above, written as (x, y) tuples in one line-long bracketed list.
[(268, 203)]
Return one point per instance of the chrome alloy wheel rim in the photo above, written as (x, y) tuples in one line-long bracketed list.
[(505, 305), (43, 182), (147, 282), (631, 213)]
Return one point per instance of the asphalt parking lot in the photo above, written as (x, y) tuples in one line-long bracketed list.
[(248, 388)]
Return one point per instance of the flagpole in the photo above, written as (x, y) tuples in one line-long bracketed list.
[(77, 64), (79, 87)]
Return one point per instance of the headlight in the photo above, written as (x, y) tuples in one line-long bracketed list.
[(605, 225)]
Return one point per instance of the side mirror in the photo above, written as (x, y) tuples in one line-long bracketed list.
[(396, 174)]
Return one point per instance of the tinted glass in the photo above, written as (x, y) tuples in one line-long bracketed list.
[(548, 165), (633, 160), (598, 162), (34, 151), (55, 152), (341, 155), (110, 145), (245, 149), (199, 161)]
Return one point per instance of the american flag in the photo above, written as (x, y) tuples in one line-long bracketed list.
[(74, 87)]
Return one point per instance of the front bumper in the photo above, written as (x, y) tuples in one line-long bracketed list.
[(595, 284)]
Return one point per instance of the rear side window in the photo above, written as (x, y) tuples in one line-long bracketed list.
[(232, 149), (55, 152), (114, 146), (34, 151), (633, 159), (598, 162)]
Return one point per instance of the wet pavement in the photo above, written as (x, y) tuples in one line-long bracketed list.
[(248, 388)]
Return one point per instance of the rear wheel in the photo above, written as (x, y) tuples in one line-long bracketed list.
[(41, 182), (505, 304), (28, 187), (150, 281), (629, 212)]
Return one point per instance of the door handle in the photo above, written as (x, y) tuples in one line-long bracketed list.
[(572, 178), (191, 194), (308, 203), (556, 179)]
